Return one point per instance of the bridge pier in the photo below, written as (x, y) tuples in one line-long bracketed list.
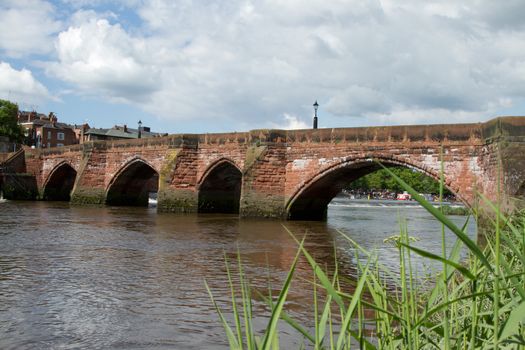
[(88, 196), (263, 205), (177, 200), (264, 176)]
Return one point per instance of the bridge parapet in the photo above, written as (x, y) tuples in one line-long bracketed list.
[(510, 128), (169, 141), (223, 138), (257, 136), (386, 134)]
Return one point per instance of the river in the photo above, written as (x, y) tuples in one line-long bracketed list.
[(131, 278)]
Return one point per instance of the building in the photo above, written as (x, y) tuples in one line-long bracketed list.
[(45, 131), (118, 132)]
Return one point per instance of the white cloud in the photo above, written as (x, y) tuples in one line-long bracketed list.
[(78, 4), (359, 58), (244, 63), (358, 101), (27, 27), (290, 122), (101, 59), (20, 86)]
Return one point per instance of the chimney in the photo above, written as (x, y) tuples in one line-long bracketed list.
[(125, 128), (53, 118)]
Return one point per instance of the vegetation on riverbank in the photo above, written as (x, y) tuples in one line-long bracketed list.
[(381, 180), (9, 126), (474, 304), (455, 210)]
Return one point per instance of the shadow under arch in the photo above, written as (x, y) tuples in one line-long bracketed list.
[(220, 188), (310, 202), (520, 193), (132, 184), (59, 183)]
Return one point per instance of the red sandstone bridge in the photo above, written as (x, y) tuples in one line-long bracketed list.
[(271, 173)]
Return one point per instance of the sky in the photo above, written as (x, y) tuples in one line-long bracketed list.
[(183, 66)]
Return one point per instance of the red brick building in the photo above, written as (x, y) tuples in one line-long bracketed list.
[(45, 131)]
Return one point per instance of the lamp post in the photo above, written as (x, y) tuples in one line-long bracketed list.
[(316, 105), (140, 129)]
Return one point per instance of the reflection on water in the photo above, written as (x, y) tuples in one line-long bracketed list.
[(129, 278)]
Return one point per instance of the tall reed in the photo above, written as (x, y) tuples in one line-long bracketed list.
[(478, 303)]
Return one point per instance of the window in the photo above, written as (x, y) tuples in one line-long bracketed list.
[(60, 145), (48, 144), (49, 135), (60, 136)]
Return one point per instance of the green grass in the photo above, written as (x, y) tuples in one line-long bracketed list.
[(478, 303)]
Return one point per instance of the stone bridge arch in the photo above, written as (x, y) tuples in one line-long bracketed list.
[(132, 183), (59, 182), (219, 188), (310, 199)]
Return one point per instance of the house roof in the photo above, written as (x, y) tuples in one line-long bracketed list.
[(37, 115), (57, 126), (47, 124), (121, 132)]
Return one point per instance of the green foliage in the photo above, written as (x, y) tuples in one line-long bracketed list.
[(238, 339), (381, 180), (449, 210), (475, 304), (8, 122)]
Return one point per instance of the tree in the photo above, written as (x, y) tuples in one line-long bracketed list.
[(380, 180), (8, 122)]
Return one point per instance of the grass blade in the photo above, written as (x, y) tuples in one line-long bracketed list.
[(232, 340), (472, 246), (325, 281), (432, 256), (512, 325), (351, 308), (271, 329)]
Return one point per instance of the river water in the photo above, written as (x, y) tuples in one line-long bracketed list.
[(131, 278)]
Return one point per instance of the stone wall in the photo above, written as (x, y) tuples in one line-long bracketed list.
[(7, 146), (15, 182), (280, 168), (18, 186)]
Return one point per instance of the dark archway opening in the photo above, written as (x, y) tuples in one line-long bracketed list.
[(133, 186), (60, 184), (220, 192), (521, 191), (312, 203)]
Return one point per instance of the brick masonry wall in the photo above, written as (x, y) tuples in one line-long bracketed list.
[(42, 163), (14, 162), (279, 166), (307, 162)]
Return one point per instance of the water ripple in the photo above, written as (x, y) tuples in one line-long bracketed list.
[(127, 278)]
